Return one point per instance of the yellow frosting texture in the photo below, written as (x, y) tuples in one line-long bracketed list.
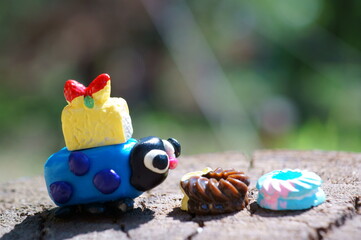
[(107, 123)]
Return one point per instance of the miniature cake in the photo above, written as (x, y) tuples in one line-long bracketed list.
[(214, 192), (101, 164), (289, 190), (92, 118)]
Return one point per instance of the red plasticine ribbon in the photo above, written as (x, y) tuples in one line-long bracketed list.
[(74, 89)]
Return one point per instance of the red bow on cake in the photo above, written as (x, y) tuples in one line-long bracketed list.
[(74, 89)]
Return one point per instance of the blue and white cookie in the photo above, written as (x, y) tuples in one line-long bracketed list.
[(290, 190)]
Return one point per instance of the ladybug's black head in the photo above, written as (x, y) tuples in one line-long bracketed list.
[(150, 160)]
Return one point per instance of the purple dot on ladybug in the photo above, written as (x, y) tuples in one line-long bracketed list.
[(79, 163), (61, 191), (106, 181)]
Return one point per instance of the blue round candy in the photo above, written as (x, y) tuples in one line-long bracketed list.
[(106, 181), (61, 191), (290, 189), (79, 163)]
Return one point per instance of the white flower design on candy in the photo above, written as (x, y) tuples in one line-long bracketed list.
[(289, 190)]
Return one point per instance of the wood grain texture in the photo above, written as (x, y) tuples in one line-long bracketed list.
[(26, 211)]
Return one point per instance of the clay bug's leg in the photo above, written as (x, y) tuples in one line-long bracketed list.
[(125, 204), (94, 208), (65, 212)]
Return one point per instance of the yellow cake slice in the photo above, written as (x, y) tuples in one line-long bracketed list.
[(92, 118)]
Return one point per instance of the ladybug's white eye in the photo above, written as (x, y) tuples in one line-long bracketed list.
[(157, 161), (168, 148)]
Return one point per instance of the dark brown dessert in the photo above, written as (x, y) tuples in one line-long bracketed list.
[(218, 191)]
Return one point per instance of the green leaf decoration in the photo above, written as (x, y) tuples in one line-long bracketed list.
[(89, 101)]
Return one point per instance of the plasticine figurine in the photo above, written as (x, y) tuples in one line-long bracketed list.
[(290, 190), (214, 191), (102, 167)]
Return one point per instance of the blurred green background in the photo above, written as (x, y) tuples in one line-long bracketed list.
[(217, 75)]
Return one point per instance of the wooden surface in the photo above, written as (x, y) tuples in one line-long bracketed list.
[(27, 213)]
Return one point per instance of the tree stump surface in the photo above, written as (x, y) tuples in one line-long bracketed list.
[(26, 211)]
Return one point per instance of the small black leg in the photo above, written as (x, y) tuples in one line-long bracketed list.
[(94, 208), (65, 212), (125, 204)]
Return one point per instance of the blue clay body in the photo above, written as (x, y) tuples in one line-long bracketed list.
[(98, 174)]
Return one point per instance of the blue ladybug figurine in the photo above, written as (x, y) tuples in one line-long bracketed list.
[(102, 167), (108, 176)]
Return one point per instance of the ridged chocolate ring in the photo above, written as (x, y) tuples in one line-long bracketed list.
[(218, 191)]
